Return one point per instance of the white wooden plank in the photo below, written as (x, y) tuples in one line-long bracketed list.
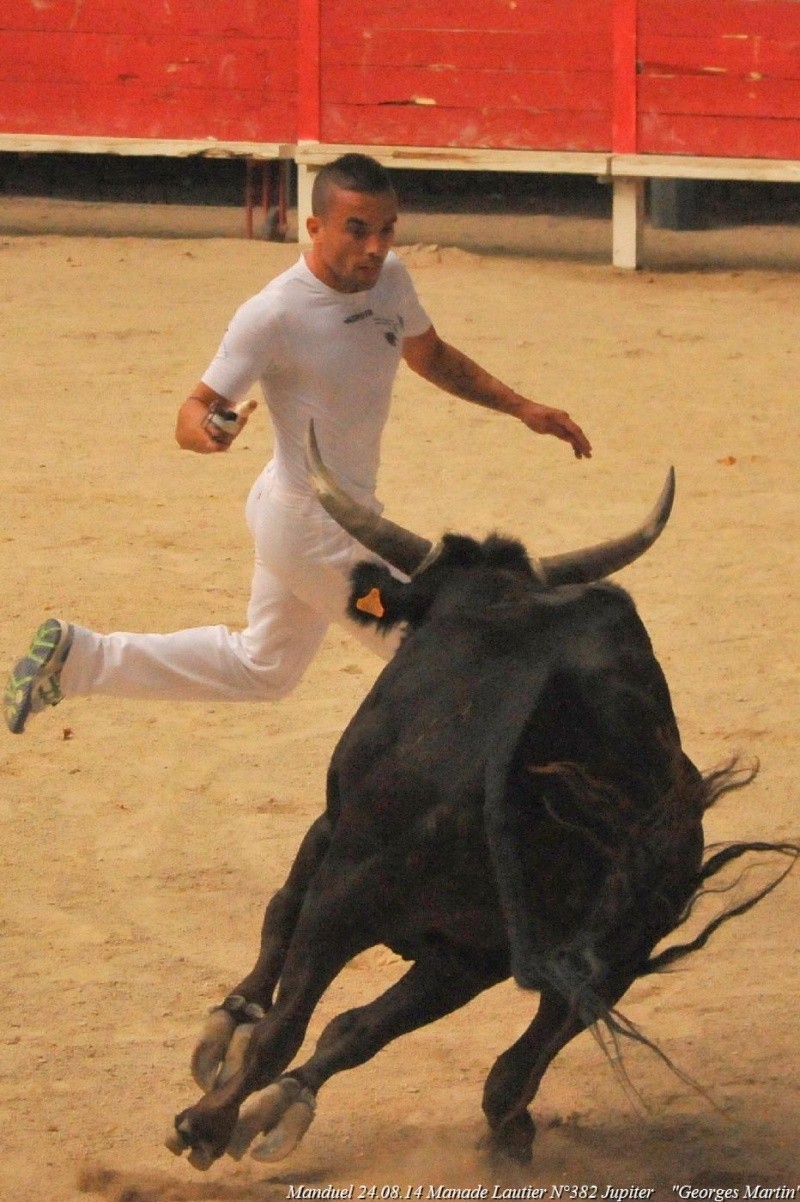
[(627, 223), (447, 158), (652, 166), (168, 147), (305, 182)]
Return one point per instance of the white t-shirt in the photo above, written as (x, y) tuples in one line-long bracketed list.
[(322, 354)]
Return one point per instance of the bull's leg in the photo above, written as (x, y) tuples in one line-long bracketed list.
[(280, 917), (220, 1049), (332, 928), (516, 1075), (208, 1126), (435, 985)]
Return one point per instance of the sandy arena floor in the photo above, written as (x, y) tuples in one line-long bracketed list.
[(140, 841)]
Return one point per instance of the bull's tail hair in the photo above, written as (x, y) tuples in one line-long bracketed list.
[(577, 970), (714, 864), (596, 818), (613, 1024), (573, 973), (611, 1029), (725, 778)]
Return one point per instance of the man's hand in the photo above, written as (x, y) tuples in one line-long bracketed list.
[(201, 425), (544, 420), (225, 424)]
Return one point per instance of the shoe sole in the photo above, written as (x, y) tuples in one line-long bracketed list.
[(50, 643)]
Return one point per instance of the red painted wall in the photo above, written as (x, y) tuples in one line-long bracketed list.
[(224, 69), (696, 77), (719, 77), (500, 73)]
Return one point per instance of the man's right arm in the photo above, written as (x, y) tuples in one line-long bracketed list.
[(244, 356)]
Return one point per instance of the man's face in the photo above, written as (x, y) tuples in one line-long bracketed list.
[(350, 241)]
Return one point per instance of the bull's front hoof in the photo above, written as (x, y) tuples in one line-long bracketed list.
[(282, 1113), (201, 1155), (196, 1134)]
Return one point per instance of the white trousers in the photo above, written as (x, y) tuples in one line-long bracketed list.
[(300, 585)]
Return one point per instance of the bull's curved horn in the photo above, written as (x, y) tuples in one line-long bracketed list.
[(400, 548), (407, 551), (594, 563)]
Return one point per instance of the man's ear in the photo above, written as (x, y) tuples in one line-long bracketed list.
[(313, 225)]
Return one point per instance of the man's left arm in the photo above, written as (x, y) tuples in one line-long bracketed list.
[(454, 372)]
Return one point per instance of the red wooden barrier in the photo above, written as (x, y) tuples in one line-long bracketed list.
[(641, 79), (490, 73), (141, 69), (309, 98), (624, 117), (719, 77)]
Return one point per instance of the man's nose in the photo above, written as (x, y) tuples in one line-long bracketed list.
[(377, 244)]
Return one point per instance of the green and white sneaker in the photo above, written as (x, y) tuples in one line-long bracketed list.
[(34, 682)]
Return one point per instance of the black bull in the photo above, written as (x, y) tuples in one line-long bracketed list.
[(511, 799)]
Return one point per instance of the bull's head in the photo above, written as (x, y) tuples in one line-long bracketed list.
[(410, 553)]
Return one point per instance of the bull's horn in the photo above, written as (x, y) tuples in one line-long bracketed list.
[(594, 563), (400, 548)]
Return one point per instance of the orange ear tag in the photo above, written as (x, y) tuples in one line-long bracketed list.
[(371, 604)]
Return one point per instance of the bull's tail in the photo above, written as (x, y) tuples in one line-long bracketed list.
[(574, 966), (715, 784), (628, 914)]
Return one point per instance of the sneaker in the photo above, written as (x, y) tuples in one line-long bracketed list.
[(34, 682)]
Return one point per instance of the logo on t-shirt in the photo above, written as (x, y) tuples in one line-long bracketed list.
[(392, 328)]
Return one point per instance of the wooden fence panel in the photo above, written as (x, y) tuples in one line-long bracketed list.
[(719, 78), (223, 70), (536, 74)]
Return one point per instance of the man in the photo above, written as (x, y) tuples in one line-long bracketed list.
[(324, 339)]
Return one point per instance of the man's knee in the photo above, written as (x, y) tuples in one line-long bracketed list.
[(270, 678)]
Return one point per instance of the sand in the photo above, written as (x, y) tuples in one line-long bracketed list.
[(140, 841)]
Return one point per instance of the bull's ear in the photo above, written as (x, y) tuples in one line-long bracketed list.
[(379, 598), (372, 588), (370, 604)]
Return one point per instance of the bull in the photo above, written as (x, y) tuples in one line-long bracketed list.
[(511, 799)]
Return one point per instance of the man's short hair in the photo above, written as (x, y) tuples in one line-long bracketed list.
[(352, 173)]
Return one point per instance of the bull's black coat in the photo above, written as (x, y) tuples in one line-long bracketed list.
[(511, 798), (544, 714)]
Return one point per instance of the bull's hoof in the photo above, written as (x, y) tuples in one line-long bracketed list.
[(201, 1155), (204, 1134), (220, 1049), (212, 1048), (282, 1113), (512, 1142), (175, 1142), (284, 1138)]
